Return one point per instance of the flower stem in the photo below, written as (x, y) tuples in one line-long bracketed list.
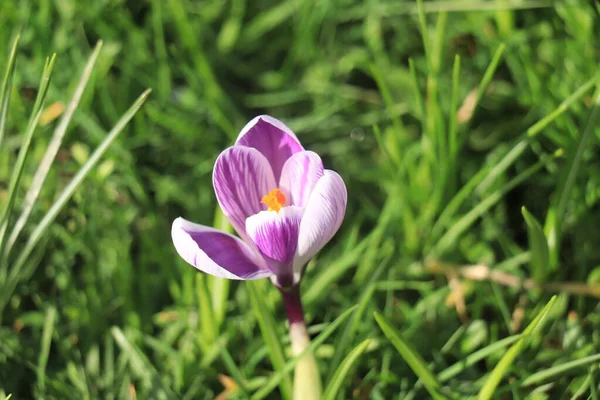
[(307, 381)]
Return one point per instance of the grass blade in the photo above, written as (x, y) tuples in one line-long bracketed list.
[(42, 172), (207, 329), (233, 370), (140, 364), (475, 357), (417, 90), (562, 107), (463, 223), (357, 320), (489, 73), (7, 86), (566, 184), (545, 374), (493, 380), (531, 132), (45, 347), (268, 329), (289, 366), (538, 245), (483, 179), (453, 123), (36, 235), (412, 357), (342, 371), (593, 386), (424, 31), (15, 178), (322, 282)]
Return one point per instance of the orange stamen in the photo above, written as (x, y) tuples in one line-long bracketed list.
[(274, 200)]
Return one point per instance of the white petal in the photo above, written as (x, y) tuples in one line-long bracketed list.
[(215, 252), (322, 218), (300, 174)]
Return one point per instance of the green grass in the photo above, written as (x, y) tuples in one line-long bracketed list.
[(466, 132)]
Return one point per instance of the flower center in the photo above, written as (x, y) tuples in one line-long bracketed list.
[(274, 200)]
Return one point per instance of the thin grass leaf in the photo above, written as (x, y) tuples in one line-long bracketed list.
[(140, 365), (289, 366), (342, 371), (268, 329), (135, 358), (374, 252), (352, 326), (387, 98), (108, 375), (47, 332), (500, 167), (207, 329), (453, 340), (57, 137), (493, 380), (463, 223), (545, 374), (160, 49), (434, 114), (7, 83), (539, 126), (531, 132), (233, 370), (538, 245), (453, 118), (15, 178), (485, 177), (488, 75), (395, 9), (486, 79), (593, 386), (582, 389), (417, 90), (321, 283), (502, 306), (15, 273), (473, 358), (268, 20), (566, 184), (424, 31), (411, 356)]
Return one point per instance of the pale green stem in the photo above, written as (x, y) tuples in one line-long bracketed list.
[(307, 381)]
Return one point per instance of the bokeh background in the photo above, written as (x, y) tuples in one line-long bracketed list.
[(433, 120)]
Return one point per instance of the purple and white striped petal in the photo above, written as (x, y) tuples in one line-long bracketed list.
[(242, 176), (276, 236), (272, 138), (322, 218), (300, 174), (215, 252)]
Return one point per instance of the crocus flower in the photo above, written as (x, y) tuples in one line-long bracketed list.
[(284, 205)]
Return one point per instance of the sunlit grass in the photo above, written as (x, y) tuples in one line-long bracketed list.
[(465, 131)]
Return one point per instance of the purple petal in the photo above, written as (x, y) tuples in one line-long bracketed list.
[(276, 236), (322, 218), (300, 174), (272, 138), (242, 176), (215, 252)]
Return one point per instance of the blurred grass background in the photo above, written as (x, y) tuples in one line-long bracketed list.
[(444, 123)]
